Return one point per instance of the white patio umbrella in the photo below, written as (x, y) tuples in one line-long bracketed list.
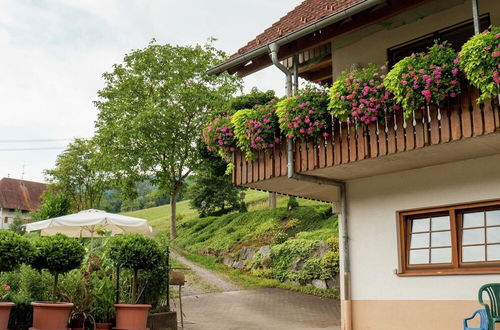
[(86, 224)]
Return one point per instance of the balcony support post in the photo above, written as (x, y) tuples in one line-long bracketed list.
[(475, 16)]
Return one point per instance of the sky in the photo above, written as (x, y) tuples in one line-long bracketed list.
[(53, 53)]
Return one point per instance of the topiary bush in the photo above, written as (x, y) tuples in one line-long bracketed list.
[(58, 254), (134, 251), (14, 250), (480, 61)]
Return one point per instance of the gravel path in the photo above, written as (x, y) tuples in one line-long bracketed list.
[(208, 276)]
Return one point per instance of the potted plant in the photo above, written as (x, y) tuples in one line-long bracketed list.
[(480, 61), (14, 250), (104, 294), (135, 252), (58, 254), (305, 113)]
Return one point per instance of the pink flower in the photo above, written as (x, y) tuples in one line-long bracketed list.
[(232, 149), (496, 53), (427, 94), (5, 287), (404, 82), (454, 71), (453, 94)]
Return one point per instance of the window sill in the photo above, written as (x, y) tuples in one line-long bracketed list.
[(449, 272)]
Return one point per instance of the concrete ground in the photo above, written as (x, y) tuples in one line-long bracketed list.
[(269, 309)]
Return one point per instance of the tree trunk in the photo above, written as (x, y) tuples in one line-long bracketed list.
[(272, 200), (173, 211)]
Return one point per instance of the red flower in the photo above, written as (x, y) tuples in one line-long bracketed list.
[(5, 287)]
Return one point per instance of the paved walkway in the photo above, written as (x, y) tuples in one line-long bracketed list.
[(269, 309), (263, 309)]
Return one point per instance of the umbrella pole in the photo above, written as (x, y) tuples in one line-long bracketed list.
[(117, 284)]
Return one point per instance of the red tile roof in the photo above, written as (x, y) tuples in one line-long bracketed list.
[(20, 194), (307, 13)]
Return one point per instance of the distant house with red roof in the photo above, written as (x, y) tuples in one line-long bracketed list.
[(18, 196)]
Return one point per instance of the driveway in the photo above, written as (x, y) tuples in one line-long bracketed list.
[(269, 309)]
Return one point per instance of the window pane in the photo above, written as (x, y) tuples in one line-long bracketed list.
[(419, 257), (420, 225), (475, 219), (419, 240), (441, 256), (441, 223), (493, 218), (441, 238), (493, 252), (473, 236), (472, 253), (493, 234)]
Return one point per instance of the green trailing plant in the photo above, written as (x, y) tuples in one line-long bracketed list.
[(360, 96), (480, 61), (135, 252), (256, 128), (425, 79), (58, 254), (305, 113)]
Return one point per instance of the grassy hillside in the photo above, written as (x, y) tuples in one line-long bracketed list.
[(218, 235), (159, 216)]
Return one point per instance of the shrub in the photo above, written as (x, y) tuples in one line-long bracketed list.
[(219, 137), (14, 250), (292, 223), (58, 254), (305, 114), (292, 203), (257, 128), (360, 95), (423, 79), (280, 237), (134, 251), (480, 61)]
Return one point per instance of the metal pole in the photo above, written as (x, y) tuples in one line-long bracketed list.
[(168, 278), (295, 73), (475, 17), (117, 284)]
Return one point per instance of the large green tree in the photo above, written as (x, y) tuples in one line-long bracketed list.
[(78, 174), (152, 109), (213, 191)]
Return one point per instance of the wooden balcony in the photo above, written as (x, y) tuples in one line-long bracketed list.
[(463, 130)]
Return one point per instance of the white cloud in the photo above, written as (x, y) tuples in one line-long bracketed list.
[(54, 52)]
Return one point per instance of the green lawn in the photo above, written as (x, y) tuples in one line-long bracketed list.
[(159, 216)]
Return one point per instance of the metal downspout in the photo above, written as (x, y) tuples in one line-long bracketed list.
[(344, 242)]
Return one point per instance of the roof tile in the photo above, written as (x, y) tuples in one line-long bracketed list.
[(20, 194)]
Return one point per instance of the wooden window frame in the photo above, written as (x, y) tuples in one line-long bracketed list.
[(456, 267)]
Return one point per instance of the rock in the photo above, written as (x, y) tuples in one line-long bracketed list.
[(238, 264), (265, 251), (332, 283), (292, 282), (320, 284), (228, 261), (247, 254), (298, 265), (321, 250)]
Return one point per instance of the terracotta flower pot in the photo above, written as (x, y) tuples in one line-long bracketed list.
[(103, 326), (5, 308), (50, 316), (129, 316)]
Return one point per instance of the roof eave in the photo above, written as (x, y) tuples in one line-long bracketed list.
[(318, 25)]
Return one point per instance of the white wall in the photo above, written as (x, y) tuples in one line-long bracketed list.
[(373, 48), (372, 206), (11, 215)]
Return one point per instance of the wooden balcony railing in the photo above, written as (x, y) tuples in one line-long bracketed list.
[(461, 119)]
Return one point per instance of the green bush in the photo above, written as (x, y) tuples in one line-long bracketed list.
[(135, 252), (58, 254), (14, 250), (103, 289), (480, 61)]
